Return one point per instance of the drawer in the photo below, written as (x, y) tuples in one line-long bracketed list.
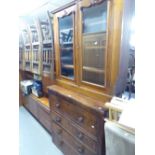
[(67, 138), (44, 118), (83, 118), (31, 105), (60, 143), (73, 130)]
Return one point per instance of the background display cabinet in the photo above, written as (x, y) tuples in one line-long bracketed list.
[(47, 44), (36, 47), (27, 49), (21, 52)]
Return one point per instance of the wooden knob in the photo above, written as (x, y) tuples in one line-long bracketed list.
[(58, 119), (57, 105), (92, 126), (80, 149), (80, 135), (80, 119)]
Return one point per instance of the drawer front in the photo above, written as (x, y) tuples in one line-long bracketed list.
[(44, 118), (83, 118), (66, 149), (31, 105), (67, 138), (73, 130)]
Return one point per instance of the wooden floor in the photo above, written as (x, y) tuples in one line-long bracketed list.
[(34, 139)]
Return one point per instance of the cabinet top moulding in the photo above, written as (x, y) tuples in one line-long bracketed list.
[(64, 7)]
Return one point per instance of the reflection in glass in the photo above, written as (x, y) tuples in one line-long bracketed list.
[(94, 43), (66, 46)]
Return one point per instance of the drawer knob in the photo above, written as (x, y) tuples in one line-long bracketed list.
[(59, 131), (92, 126), (80, 149), (95, 43), (80, 135), (57, 105), (58, 119), (80, 119)]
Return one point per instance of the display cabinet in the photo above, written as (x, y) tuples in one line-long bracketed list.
[(27, 49), (87, 46), (36, 47), (21, 52), (46, 26), (87, 41)]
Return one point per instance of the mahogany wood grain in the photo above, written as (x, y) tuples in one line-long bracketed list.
[(80, 116)]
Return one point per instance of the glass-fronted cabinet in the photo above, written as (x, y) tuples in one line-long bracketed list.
[(46, 26), (66, 51), (87, 41), (21, 52), (36, 48), (27, 48), (93, 36)]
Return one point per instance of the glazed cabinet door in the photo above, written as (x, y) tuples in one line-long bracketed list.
[(65, 50), (46, 26), (93, 36), (27, 55), (36, 47), (21, 52)]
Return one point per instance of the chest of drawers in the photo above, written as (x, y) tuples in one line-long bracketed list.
[(77, 122)]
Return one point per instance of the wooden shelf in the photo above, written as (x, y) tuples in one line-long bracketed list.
[(66, 43), (35, 43), (64, 30), (67, 48), (44, 23), (94, 47), (27, 61), (46, 72), (93, 69), (35, 71), (92, 34), (35, 62), (28, 44), (34, 30), (42, 100), (68, 66), (47, 42), (32, 26), (46, 63)]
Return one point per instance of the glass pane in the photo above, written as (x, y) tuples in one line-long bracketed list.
[(66, 46), (94, 18), (94, 43)]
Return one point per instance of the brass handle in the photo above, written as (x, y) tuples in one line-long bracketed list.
[(80, 149), (57, 105), (80, 135), (80, 119), (58, 119)]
